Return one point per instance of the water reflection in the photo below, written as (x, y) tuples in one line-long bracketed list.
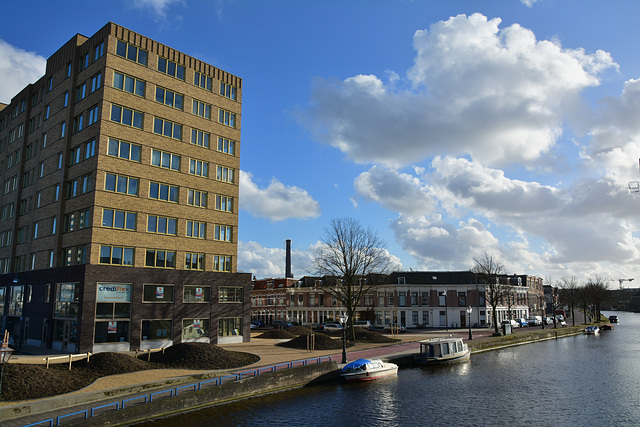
[(581, 380)]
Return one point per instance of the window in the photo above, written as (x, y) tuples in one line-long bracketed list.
[(66, 301), (56, 193), (128, 84), (170, 98), (59, 161), (226, 146), (197, 198), (124, 150), (74, 156), (47, 111), (231, 294), (197, 294), (165, 160), (231, 326), (161, 225), (63, 129), (116, 255), (194, 261), (222, 263), (171, 68), (132, 53), (22, 236), (201, 109), (113, 303), (50, 85), (157, 293), (200, 138), (89, 149), (77, 123), (121, 184), (196, 229), (160, 259), (224, 174), (93, 115), (38, 199), (202, 80), (223, 233), (54, 225), (81, 92), (166, 192), (227, 118), (96, 82), (156, 330), (79, 186), (66, 99), (195, 328), (224, 203), (199, 168), (119, 219), (167, 128), (98, 51), (126, 116), (227, 91)]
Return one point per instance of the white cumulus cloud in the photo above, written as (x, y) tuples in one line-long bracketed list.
[(18, 68), (496, 95), (277, 201)]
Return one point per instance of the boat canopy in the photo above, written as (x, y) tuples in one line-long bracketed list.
[(356, 364)]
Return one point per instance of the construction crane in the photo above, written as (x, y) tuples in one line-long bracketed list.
[(624, 280)]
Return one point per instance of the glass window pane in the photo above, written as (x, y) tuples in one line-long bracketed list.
[(140, 88), (116, 113), (152, 223), (107, 218), (175, 163), (162, 225), (113, 147), (173, 195), (124, 150), (133, 186), (110, 182), (118, 80), (171, 226), (142, 57), (116, 255), (137, 120), (178, 101), (129, 83), (119, 219), (135, 153), (159, 94), (122, 184), (127, 117)]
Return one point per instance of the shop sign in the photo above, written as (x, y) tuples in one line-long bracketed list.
[(108, 292)]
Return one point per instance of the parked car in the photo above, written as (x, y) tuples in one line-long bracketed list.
[(534, 320), (399, 327), (256, 323), (548, 321), (332, 327), (318, 327), (522, 323), (280, 324), (562, 323), (363, 324), (511, 322)]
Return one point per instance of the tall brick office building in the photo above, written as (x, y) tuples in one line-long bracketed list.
[(119, 205)]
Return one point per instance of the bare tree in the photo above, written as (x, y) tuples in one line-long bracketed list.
[(356, 257), (553, 298), (569, 295), (598, 294), (487, 269)]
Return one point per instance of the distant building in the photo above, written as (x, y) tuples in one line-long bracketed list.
[(425, 299), (119, 202)]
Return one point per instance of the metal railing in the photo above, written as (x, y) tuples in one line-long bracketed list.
[(173, 392)]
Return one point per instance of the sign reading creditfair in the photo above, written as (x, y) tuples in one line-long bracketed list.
[(114, 292)]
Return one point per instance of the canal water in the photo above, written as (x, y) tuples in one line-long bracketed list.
[(576, 381)]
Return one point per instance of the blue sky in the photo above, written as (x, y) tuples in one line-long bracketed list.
[(452, 128)]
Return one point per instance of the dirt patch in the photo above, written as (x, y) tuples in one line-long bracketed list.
[(322, 342), (277, 334), (299, 330), (26, 381)]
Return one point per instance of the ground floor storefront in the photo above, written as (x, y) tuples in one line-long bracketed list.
[(105, 308)]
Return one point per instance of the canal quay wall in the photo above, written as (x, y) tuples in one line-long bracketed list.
[(141, 409)]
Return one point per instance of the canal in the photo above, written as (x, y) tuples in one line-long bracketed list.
[(580, 380)]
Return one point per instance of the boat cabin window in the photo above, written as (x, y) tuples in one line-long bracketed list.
[(445, 348)]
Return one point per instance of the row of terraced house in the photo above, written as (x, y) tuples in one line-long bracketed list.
[(416, 299)]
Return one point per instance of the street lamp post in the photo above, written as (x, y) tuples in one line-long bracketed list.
[(343, 323), (469, 310), (5, 355)]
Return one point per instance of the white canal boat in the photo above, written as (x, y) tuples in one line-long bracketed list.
[(436, 351), (367, 370)]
